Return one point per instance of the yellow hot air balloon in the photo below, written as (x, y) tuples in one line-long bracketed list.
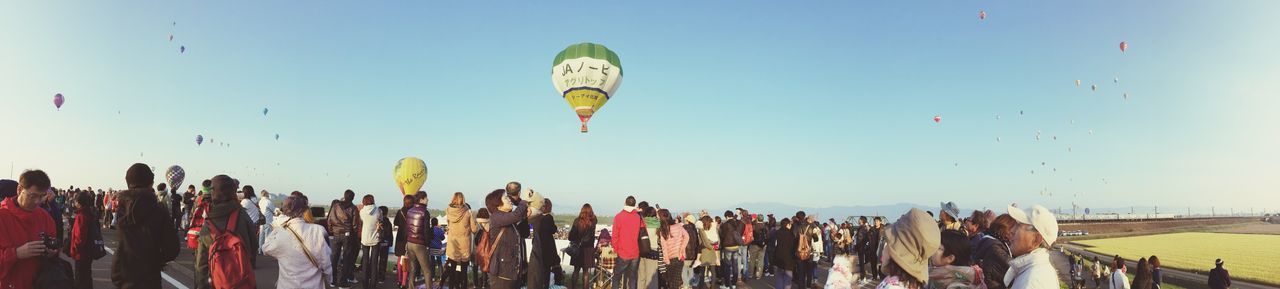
[(410, 173), (586, 75)]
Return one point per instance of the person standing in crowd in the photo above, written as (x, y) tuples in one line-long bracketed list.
[(650, 249), (908, 245), (344, 241), (402, 234), (482, 233), (691, 250), (369, 216), (267, 209), (419, 231), (250, 207), (543, 253), (1097, 273), (1142, 276), (175, 210), (744, 228), (730, 242), (109, 210), (1118, 278), (583, 237), (86, 240), (771, 243), (784, 257), (710, 256), (947, 217), (200, 208), (21, 227), (804, 250), (674, 239), (950, 265), (759, 237), (385, 240), (860, 246), (1157, 277), (223, 210), (979, 240), (435, 246), (994, 256), (462, 224), (626, 235), (504, 264), (1032, 237), (299, 247), (1219, 278), (841, 275), (815, 231), (188, 202), (147, 239), (55, 211)]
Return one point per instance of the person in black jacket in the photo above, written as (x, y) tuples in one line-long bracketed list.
[(505, 263), (345, 241), (691, 250), (544, 257), (730, 243), (756, 250), (784, 257), (583, 236), (147, 238), (1219, 278)]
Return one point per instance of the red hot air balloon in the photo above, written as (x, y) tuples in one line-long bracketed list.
[(937, 119), (58, 100), (1124, 46)]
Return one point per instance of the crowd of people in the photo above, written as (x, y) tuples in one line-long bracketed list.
[(648, 246)]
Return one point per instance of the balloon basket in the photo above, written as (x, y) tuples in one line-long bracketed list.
[(584, 128)]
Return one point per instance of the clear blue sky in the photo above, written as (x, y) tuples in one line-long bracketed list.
[(815, 103)]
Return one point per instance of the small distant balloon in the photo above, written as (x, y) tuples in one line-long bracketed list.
[(170, 37), (937, 119), (1116, 80), (1077, 83), (997, 117), (199, 139), (1020, 112), (1126, 96), (1091, 132), (982, 15), (264, 111), (58, 100), (1095, 87), (182, 49), (1124, 46), (277, 136), (997, 139)]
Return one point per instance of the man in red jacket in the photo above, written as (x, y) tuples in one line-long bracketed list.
[(626, 234), (21, 224)]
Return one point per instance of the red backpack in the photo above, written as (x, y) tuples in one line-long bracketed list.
[(228, 260)]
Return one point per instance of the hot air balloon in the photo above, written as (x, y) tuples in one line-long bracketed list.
[(997, 117), (58, 100), (1095, 87), (1116, 80), (170, 37), (277, 136), (1091, 132), (1124, 46), (937, 119), (982, 15), (182, 49), (1126, 96), (199, 139), (586, 75), (410, 173), (1077, 83), (175, 175), (264, 111)]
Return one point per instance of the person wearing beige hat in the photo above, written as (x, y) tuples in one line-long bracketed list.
[(1034, 234), (908, 244)]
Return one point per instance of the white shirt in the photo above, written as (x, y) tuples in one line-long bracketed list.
[(1032, 271), (370, 215), (267, 208), (296, 270), (1119, 280), (251, 209)]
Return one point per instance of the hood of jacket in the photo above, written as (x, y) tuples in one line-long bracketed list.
[(221, 211), (456, 214)]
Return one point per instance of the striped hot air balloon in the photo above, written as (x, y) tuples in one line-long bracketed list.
[(586, 75)]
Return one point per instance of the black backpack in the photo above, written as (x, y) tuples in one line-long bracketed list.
[(54, 273)]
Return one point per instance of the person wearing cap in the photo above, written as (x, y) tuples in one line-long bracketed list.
[(691, 249), (908, 244), (1034, 234), (948, 215), (1218, 277)]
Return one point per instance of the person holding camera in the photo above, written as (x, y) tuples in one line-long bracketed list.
[(22, 226)]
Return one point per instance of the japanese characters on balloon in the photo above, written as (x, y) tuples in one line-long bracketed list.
[(586, 75)]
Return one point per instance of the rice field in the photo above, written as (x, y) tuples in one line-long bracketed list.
[(1249, 257)]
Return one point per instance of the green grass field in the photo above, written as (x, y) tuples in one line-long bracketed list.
[(1246, 256)]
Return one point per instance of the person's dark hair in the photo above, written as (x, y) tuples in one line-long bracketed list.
[(631, 201), (979, 218), (1002, 227), (706, 223), (862, 218), (728, 214), (878, 218), (649, 212), (586, 218), (418, 197), (207, 183), (908, 281), (1154, 261), (546, 205), (954, 243), (783, 224), (1142, 276), (191, 187), (772, 221), (664, 223), (642, 205), (800, 215), (382, 210), (483, 213), (247, 191), (435, 222), (513, 188), (409, 201), (295, 205), (494, 199), (1117, 262), (224, 189), (367, 200), (139, 175), (348, 196), (34, 178), (85, 202), (161, 187)]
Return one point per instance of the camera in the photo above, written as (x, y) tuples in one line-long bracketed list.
[(49, 242)]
